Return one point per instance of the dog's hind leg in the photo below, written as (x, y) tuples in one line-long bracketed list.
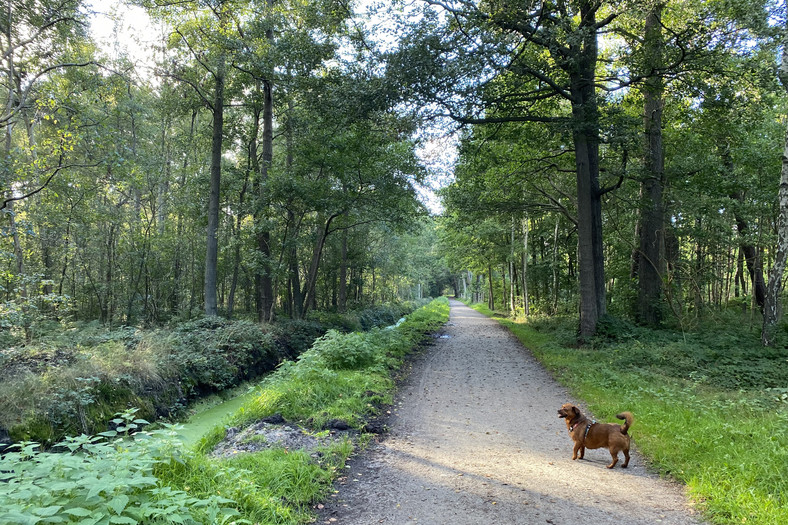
[(626, 458), (615, 459)]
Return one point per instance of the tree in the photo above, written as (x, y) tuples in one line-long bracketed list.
[(539, 54), (207, 36), (772, 308)]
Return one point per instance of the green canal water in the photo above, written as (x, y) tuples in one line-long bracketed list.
[(214, 410)]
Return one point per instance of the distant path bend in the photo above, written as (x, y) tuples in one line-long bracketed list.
[(475, 440)]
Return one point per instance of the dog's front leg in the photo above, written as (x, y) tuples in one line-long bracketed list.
[(578, 448)]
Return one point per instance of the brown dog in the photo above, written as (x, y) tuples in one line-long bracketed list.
[(590, 434)]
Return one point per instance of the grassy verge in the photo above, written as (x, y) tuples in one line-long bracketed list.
[(711, 408), (344, 377), (73, 377)]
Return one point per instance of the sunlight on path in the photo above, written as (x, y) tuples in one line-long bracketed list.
[(476, 439)]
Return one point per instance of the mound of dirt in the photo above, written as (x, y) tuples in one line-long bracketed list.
[(268, 434)]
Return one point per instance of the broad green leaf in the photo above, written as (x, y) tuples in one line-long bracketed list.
[(123, 519), (80, 512), (118, 503), (47, 511)]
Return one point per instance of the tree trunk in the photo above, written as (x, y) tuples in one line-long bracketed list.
[(212, 243), (342, 300), (772, 309), (265, 279), (651, 256), (7, 177), (308, 293), (295, 284), (491, 299), (589, 200), (237, 254), (526, 302), (555, 265)]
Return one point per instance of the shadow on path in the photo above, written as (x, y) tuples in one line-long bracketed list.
[(475, 439)]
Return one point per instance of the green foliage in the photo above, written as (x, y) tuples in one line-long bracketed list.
[(73, 384), (214, 353), (294, 336), (349, 351), (710, 406), (381, 315), (101, 479), (73, 381), (342, 377), (344, 322), (275, 486)]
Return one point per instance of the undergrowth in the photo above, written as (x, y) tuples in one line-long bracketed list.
[(342, 377), (711, 406), (147, 477), (103, 479), (75, 378)]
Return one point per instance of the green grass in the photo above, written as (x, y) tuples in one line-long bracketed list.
[(343, 376), (710, 407), (274, 486)]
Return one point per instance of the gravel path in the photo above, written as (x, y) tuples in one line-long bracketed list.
[(475, 439)]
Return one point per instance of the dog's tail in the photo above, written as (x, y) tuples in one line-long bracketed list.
[(628, 418)]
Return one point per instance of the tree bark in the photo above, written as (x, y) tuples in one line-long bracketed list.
[(585, 116), (491, 299), (308, 292), (265, 287), (212, 243), (772, 309), (651, 256), (526, 301)]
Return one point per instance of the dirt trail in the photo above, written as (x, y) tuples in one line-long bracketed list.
[(475, 439)]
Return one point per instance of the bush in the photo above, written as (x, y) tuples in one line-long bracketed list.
[(212, 353), (342, 322), (343, 376), (347, 351), (101, 479), (73, 381), (294, 337), (381, 315)]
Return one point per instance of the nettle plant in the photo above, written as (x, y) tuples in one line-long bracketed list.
[(103, 479)]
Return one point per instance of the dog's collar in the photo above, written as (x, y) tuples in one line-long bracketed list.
[(590, 424)]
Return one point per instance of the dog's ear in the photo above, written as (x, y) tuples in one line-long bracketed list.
[(575, 410)]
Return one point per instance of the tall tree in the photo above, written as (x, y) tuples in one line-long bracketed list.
[(772, 308), (651, 265), (207, 36), (541, 52)]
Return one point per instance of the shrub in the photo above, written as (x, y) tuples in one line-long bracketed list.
[(342, 322), (212, 353), (101, 479), (347, 351), (294, 337), (381, 315)]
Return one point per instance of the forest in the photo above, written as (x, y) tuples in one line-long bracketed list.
[(197, 193), (267, 160), (257, 125)]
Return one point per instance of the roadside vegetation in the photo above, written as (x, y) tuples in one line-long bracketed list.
[(710, 406), (124, 476), (75, 378)]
